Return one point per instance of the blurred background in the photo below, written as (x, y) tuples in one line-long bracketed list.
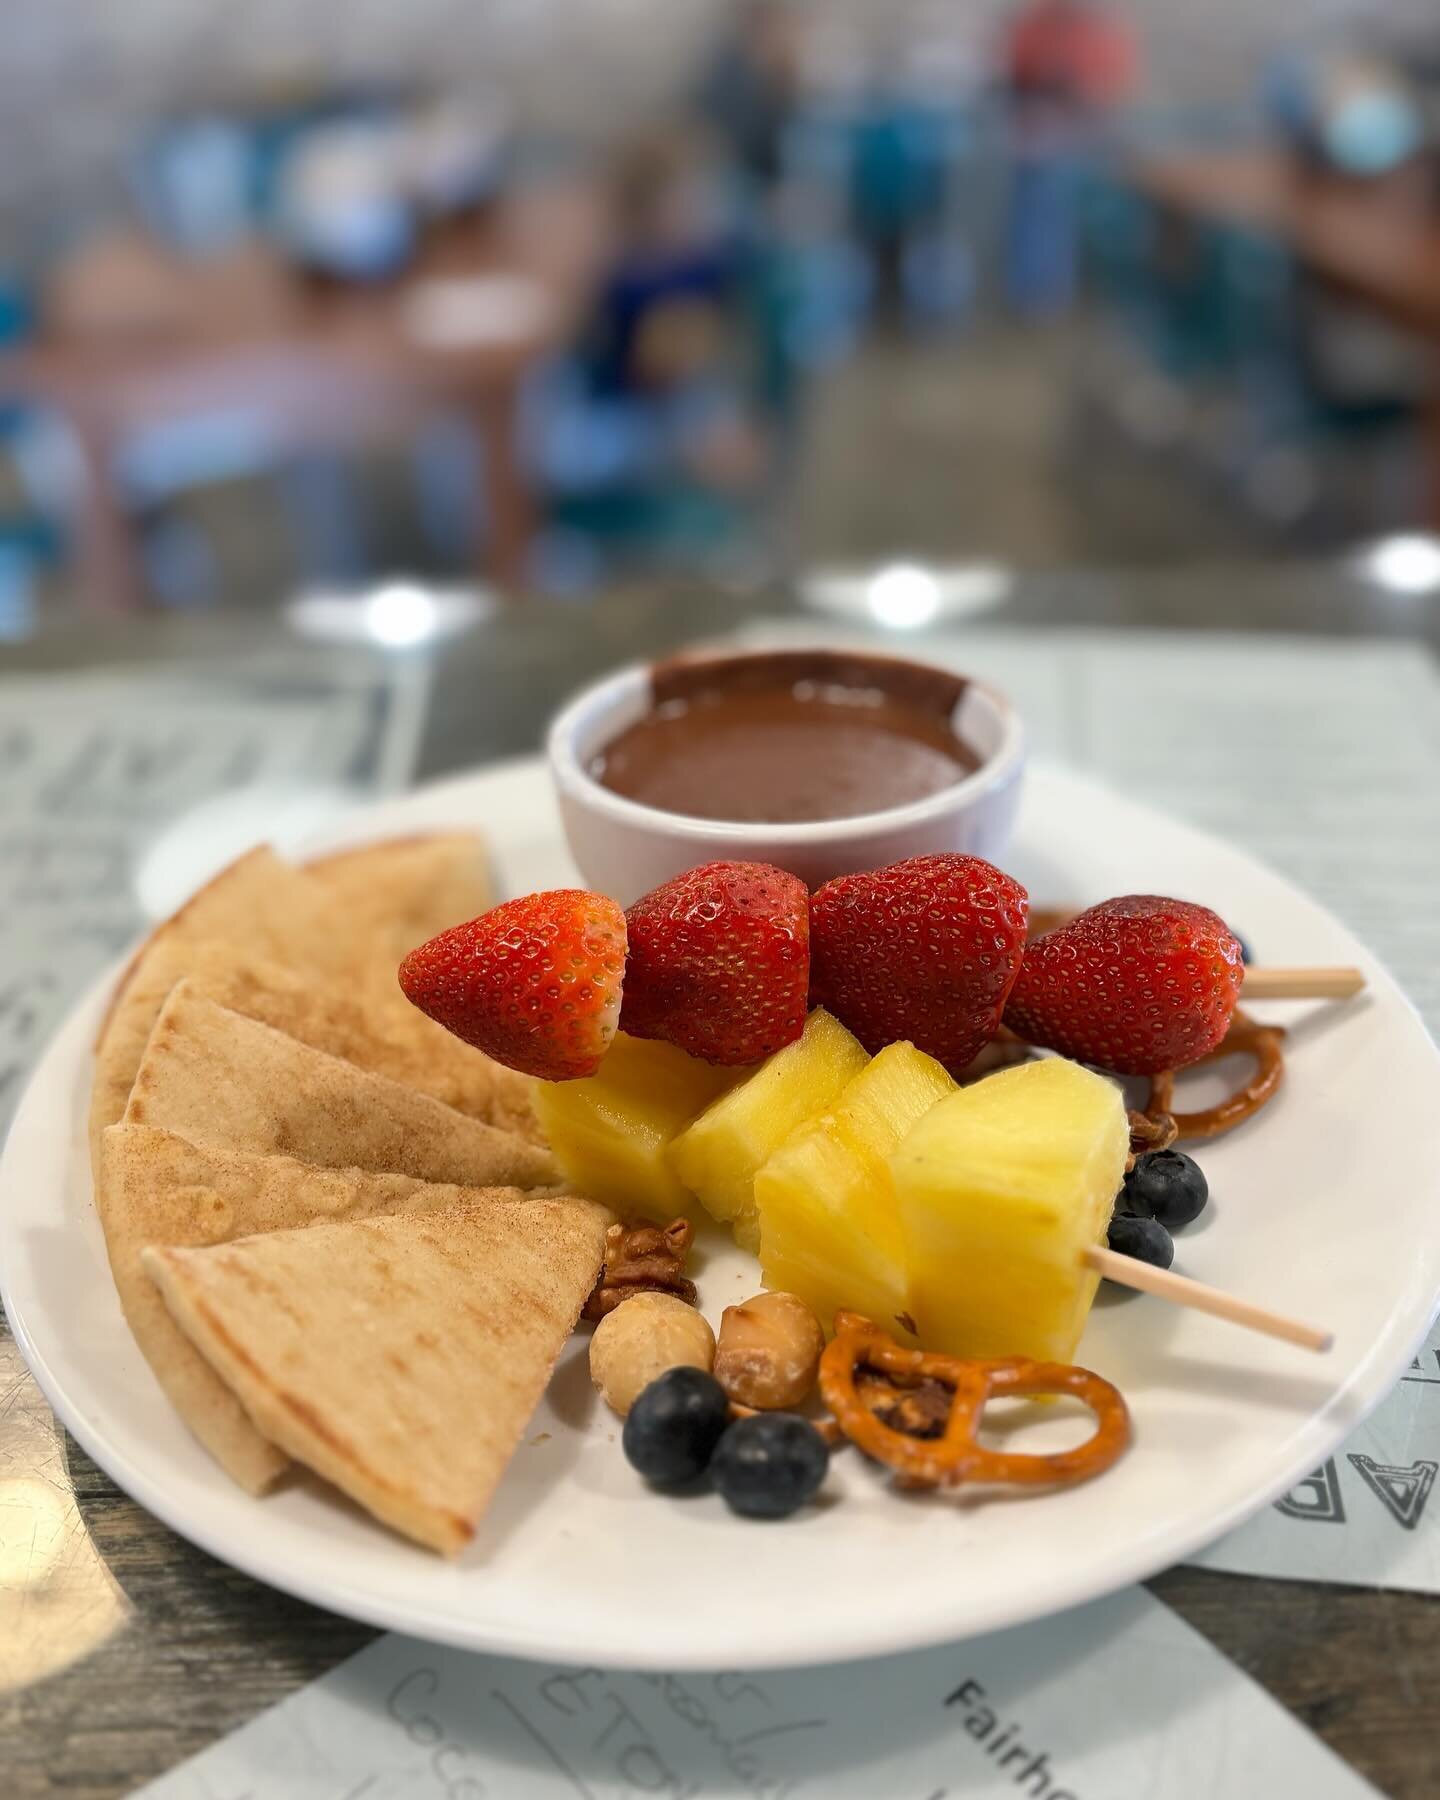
[(523, 297)]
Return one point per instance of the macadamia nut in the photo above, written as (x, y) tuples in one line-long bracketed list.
[(768, 1352), (642, 1338)]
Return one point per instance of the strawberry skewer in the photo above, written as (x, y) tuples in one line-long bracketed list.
[(1303, 984)]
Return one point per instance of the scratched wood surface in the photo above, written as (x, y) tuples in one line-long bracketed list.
[(124, 1650)]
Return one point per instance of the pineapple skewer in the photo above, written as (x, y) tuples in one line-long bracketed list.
[(1006, 1191), (718, 1155), (828, 1225), (611, 1132)]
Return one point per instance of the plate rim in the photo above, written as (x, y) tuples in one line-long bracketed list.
[(1368, 1383)]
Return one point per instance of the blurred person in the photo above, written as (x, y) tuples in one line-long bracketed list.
[(1065, 65), (1068, 57), (1344, 108), (1343, 372), (665, 336), (749, 92), (898, 182), (653, 429)]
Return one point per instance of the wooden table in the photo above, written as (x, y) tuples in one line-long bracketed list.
[(316, 362), (123, 1649), (1377, 242)]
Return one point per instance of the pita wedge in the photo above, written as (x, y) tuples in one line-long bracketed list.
[(222, 1080), (277, 912), (404, 890), (157, 1189), (400, 1357), (398, 1041), (425, 1055)]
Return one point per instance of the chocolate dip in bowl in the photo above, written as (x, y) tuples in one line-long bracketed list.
[(821, 761)]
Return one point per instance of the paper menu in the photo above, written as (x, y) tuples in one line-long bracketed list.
[(1368, 1516), (1117, 1698), (92, 766)]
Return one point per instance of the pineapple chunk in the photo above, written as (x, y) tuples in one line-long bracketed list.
[(610, 1132), (829, 1230), (717, 1157), (1001, 1187)]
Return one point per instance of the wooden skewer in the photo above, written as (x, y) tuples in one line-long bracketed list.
[(1130, 1272), (1302, 984)]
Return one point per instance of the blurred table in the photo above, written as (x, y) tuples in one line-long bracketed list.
[(318, 360), (133, 1650), (1375, 241)]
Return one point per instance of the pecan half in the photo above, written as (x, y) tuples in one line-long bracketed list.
[(921, 1411), (1149, 1131), (642, 1259)]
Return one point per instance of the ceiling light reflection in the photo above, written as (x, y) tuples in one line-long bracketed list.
[(1408, 563), (397, 615), (904, 596)]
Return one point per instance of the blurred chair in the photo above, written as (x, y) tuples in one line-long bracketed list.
[(1219, 320), (1117, 233)]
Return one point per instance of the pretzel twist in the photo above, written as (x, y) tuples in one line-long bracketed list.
[(955, 1456), (1246, 1037)]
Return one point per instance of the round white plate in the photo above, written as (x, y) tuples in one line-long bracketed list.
[(1324, 1206)]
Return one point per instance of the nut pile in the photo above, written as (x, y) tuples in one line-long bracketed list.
[(721, 1407), (697, 1405)]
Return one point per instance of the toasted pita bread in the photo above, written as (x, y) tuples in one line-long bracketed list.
[(406, 889), (222, 1080), (424, 1055), (274, 910), (322, 924), (398, 1042), (399, 893), (157, 1189), (401, 1357)]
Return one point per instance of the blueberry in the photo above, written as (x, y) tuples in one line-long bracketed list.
[(1144, 1239), (673, 1427), (769, 1465), (1167, 1186), (1247, 955)]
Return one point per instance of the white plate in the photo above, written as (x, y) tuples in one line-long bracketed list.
[(1325, 1206)]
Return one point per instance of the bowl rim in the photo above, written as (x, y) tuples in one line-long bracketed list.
[(574, 780)]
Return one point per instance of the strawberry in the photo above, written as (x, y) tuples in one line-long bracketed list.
[(535, 982), (925, 951), (1135, 985), (720, 962)]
